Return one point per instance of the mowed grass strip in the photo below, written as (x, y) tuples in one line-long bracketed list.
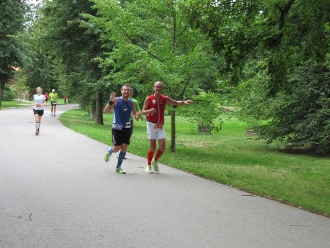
[(228, 157), (14, 104)]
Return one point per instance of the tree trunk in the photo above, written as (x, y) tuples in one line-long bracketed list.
[(172, 146), (99, 109), (1, 94), (92, 109)]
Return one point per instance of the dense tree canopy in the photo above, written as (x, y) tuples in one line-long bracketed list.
[(269, 57), (74, 45), (272, 50), (12, 13), (295, 44), (153, 41)]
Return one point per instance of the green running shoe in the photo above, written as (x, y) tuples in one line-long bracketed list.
[(155, 165), (107, 156), (148, 170), (120, 170)]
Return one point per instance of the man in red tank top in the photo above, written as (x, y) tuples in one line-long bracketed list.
[(154, 108)]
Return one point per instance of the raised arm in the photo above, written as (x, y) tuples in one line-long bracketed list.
[(111, 103)]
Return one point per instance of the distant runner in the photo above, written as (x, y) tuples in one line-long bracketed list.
[(53, 100), (39, 101)]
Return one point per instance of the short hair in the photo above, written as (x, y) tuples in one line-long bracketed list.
[(158, 83), (125, 85)]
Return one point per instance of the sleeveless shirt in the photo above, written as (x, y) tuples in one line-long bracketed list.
[(122, 112), (159, 105)]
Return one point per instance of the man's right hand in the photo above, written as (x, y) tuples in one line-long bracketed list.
[(112, 96)]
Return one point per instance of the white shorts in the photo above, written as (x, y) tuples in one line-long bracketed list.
[(155, 133)]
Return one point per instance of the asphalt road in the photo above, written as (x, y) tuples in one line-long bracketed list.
[(56, 191)]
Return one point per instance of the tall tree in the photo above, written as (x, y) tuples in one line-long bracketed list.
[(11, 23), (274, 49), (74, 45), (39, 64), (153, 41)]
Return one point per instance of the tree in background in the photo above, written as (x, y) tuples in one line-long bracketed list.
[(73, 45), (302, 113), (153, 41), (38, 62), (257, 52), (272, 49), (11, 23), (288, 74)]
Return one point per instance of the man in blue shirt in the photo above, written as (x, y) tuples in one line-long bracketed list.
[(122, 107)]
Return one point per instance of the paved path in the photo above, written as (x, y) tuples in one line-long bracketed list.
[(56, 191)]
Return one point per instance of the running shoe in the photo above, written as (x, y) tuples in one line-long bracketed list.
[(148, 169), (107, 156), (155, 164), (37, 132), (120, 170)]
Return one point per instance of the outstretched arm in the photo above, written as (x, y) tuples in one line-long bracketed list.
[(170, 101)]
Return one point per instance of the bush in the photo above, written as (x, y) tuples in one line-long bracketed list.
[(9, 94), (204, 111), (301, 115)]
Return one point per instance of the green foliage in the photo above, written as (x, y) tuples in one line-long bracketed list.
[(255, 50), (276, 77), (38, 66), (9, 94), (301, 116), (72, 44), (232, 31), (153, 41), (37, 59), (11, 22), (252, 94), (205, 111)]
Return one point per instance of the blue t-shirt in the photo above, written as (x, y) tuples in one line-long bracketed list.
[(122, 112)]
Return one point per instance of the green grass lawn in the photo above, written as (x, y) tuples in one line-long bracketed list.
[(14, 104), (229, 157)]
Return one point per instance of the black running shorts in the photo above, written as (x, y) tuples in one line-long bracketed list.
[(38, 112), (121, 136)]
